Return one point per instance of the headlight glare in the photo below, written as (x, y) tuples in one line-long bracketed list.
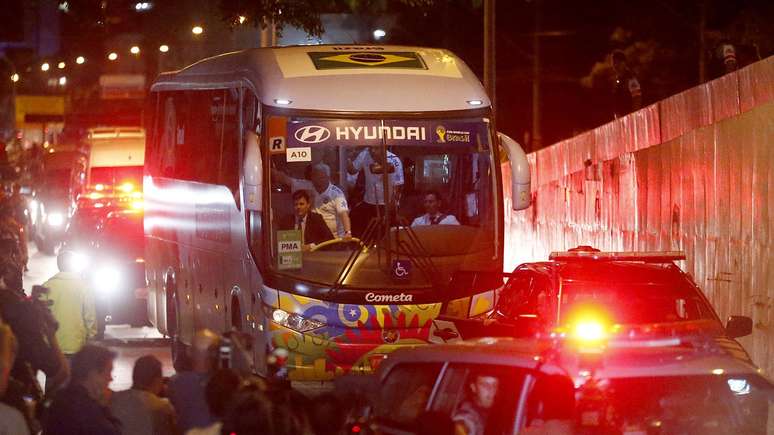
[(55, 219), (106, 278)]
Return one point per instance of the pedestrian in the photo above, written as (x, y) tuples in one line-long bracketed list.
[(81, 407), (35, 329), (725, 53), (186, 389), (291, 412), (221, 389), (627, 93), (12, 421), (327, 414), (250, 412), (18, 206), (71, 302), (140, 409)]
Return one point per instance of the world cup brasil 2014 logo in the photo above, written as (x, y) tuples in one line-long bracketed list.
[(441, 132)]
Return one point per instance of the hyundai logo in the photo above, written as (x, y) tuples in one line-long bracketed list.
[(312, 134)]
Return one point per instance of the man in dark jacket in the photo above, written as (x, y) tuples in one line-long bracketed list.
[(81, 408), (312, 225)]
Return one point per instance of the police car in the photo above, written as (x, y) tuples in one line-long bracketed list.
[(577, 381), (624, 288)]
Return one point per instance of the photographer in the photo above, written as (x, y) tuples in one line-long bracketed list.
[(35, 328)]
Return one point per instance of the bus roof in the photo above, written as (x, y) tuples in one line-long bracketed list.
[(341, 78)]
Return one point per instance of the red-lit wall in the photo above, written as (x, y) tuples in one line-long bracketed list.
[(694, 172)]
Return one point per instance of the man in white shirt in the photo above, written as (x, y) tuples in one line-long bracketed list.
[(370, 161), (433, 215), (328, 200)]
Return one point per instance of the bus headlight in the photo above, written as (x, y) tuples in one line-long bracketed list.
[(295, 321), (55, 219), (106, 278)]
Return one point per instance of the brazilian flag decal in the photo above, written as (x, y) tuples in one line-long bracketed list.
[(366, 59)]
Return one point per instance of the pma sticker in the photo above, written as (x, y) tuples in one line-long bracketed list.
[(323, 60)]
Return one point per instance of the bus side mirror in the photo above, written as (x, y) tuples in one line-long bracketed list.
[(253, 171), (520, 178)]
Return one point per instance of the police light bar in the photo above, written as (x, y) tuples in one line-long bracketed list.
[(646, 257)]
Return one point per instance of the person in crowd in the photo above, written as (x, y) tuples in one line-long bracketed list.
[(35, 329), (221, 389), (71, 302), (471, 416), (250, 412), (327, 415), (18, 206), (82, 406), (290, 412), (12, 234), (187, 388), (371, 162), (327, 199), (312, 225), (140, 409), (12, 420), (433, 216), (627, 93), (725, 53)]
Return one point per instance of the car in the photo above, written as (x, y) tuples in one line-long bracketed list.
[(626, 288), (570, 382), (113, 262)]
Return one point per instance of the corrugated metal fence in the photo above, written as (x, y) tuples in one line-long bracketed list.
[(694, 172)]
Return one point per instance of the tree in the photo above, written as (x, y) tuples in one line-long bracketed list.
[(303, 14)]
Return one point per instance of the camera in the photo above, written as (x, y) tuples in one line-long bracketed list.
[(224, 353)]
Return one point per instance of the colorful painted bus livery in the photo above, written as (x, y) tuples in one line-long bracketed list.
[(372, 135)]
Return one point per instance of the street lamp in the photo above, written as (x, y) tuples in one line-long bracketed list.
[(242, 19), (61, 65), (45, 66), (197, 30), (14, 77), (62, 81), (164, 48), (113, 56), (134, 50), (80, 60)]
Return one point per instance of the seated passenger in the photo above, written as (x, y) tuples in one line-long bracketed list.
[(433, 215), (328, 200), (312, 225), (472, 415)]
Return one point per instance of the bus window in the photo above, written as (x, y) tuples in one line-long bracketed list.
[(229, 156)]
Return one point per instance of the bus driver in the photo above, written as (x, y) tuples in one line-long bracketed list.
[(433, 215), (329, 201)]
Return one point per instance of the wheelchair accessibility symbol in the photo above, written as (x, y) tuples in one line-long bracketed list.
[(401, 269)]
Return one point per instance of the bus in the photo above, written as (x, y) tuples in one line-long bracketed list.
[(373, 139)]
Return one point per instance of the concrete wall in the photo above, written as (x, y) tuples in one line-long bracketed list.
[(694, 172)]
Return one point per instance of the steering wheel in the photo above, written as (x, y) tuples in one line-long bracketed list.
[(335, 242)]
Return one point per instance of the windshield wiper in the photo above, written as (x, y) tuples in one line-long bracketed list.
[(369, 236)]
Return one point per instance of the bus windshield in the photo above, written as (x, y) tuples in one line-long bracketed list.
[(370, 203)]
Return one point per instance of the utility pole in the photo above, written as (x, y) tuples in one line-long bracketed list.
[(489, 51), (702, 41), (536, 136)]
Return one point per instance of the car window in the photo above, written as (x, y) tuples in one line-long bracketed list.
[(515, 294), (405, 392), (480, 399), (550, 407)]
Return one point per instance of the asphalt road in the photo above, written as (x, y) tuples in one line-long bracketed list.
[(129, 343)]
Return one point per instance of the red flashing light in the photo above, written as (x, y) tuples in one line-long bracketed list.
[(356, 428)]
